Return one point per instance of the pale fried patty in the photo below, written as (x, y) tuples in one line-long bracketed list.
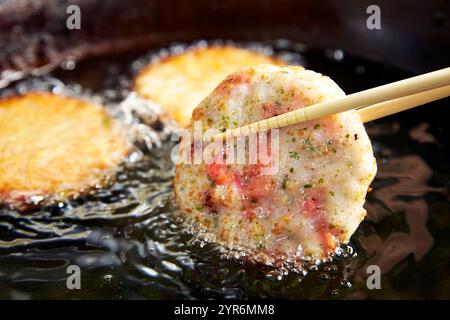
[(54, 145), (313, 202), (179, 83)]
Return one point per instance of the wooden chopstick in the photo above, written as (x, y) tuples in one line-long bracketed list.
[(387, 108), (371, 97)]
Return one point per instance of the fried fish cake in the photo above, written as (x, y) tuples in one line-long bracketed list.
[(312, 203), (54, 145), (180, 82)]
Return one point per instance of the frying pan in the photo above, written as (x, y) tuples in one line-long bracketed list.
[(414, 38), (414, 34)]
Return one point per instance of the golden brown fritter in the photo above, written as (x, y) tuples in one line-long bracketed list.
[(54, 145), (179, 83)]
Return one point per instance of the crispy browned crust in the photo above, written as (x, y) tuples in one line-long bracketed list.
[(55, 147), (180, 82)]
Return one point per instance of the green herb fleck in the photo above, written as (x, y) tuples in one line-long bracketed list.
[(225, 121), (284, 183), (294, 155), (307, 186), (308, 145)]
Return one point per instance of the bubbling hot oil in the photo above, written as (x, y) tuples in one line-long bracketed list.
[(129, 242)]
